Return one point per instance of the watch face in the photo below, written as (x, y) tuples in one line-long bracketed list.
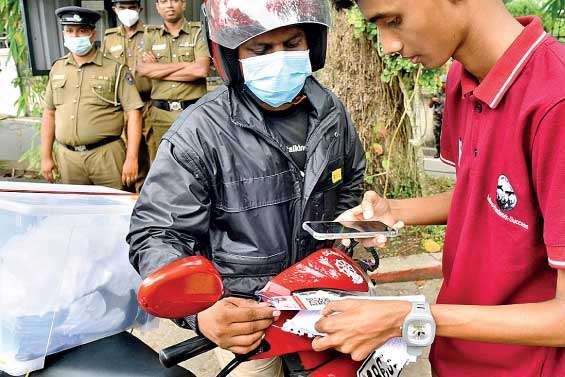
[(419, 332)]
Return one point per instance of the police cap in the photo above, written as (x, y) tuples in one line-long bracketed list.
[(77, 16)]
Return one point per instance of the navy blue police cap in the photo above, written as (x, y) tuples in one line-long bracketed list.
[(77, 16)]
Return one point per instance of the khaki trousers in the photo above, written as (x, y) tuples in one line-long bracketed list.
[(255, 368), (161, 121), (101, 166)]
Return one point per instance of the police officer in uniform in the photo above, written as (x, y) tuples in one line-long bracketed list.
[(125, 44), (177, 60), (87, 95)]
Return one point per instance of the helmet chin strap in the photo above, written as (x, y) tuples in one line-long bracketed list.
[(298, 99)]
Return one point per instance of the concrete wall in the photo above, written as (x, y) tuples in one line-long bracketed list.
[(10, 93), (16, 136)]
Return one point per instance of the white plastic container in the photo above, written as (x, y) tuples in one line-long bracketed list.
[(65, 277)]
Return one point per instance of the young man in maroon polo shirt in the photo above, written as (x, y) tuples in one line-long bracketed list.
[(501, 309)]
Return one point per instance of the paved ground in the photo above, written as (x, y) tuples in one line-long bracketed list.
[(205, 365)]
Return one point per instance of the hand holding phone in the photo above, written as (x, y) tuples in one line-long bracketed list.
[(336, 230), (372, 208)]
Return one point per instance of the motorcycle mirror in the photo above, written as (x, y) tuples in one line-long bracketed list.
[(181, 288)]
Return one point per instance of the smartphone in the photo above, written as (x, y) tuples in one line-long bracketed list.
[(335, 230)]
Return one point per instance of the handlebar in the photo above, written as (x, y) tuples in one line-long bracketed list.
[(188, 349)]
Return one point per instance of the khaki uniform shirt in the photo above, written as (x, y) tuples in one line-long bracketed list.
[(128, 51), (89, 100), (185, 47)]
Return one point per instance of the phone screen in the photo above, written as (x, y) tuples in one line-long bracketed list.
[(344, 227)]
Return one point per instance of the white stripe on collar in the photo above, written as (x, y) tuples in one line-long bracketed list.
[(556, 263), (510, 78)]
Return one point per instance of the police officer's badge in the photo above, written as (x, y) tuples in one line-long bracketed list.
[(77, 18), (505, 195), (129, 78)]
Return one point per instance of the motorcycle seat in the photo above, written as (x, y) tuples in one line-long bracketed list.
[(120, 355)]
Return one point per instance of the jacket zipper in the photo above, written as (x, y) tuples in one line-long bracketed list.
[(299, 213)]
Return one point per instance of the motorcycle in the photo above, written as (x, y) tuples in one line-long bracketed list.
[(192, 284)]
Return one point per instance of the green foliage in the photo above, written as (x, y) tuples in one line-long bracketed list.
[(432, 186), (551, 12), (433, 232), (436, 185), (555, 8), (33, 155), (529, 8), (392, 160), (32, 88)]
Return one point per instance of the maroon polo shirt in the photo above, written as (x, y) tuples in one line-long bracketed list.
[(506, 226)]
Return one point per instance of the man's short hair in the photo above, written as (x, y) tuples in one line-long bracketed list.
[(343, 4)]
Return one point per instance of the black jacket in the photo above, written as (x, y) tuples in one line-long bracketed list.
[(222, 186)]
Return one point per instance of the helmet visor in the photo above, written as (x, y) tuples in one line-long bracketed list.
[(233, 22)]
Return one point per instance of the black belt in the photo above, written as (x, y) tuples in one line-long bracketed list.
[(172, 105), (145, 96), (88, 147)]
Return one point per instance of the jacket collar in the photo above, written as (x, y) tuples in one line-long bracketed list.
[(245, 110), (503, 74)]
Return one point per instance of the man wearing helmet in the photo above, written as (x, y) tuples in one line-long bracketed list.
[(239, 171)]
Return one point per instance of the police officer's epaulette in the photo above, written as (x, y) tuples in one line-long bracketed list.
[(195, 24), (111, 31), (61, 58), (149, 28)]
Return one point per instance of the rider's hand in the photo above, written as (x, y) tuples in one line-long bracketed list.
[(358, 327), (47, 168), (236, 324), (372, 208)]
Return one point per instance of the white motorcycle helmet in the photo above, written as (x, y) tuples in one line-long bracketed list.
[(230, 23)]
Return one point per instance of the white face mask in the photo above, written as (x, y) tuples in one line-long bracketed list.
[(128, 17), (78, 45)]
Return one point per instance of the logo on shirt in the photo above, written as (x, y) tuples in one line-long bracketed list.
[(129, 78), (296, 148), (505, 195)]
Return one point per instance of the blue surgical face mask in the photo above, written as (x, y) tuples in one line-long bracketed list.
[(277, 78), (78, 45)]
